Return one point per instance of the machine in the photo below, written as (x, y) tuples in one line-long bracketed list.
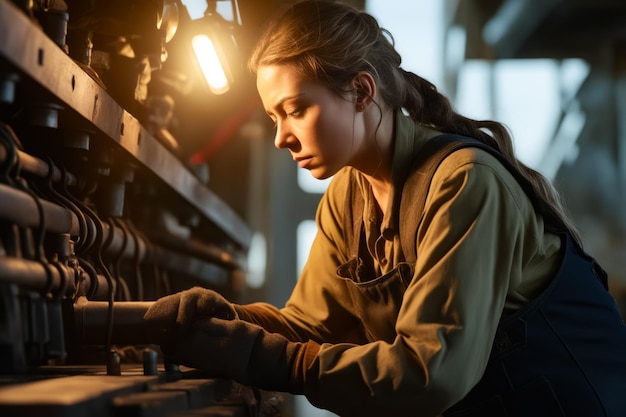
[(100, 213)]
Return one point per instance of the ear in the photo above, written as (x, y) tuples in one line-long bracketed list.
[(364, 86)]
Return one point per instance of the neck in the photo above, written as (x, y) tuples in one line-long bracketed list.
[(377, 166)]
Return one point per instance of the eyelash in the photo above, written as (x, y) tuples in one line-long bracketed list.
[(296, 114)]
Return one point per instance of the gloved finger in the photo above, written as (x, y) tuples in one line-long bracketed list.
[(160, 319), (202, 301), (171, 316), (163, 310)]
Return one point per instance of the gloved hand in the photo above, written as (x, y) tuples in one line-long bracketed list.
[(241, 351), (170, 317)]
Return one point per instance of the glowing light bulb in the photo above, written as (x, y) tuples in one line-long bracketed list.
[(210, 64)]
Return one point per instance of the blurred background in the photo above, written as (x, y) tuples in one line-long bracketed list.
[(126, 176)]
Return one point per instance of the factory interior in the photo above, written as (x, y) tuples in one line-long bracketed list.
[(126, 177)]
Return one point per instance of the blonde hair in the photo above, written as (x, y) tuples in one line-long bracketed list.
[(331, 42)]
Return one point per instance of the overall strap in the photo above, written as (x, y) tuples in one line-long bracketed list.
[(353, 218), (416, 187)]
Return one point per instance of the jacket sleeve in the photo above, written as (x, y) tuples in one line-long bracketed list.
[(319, 306), (478, 232)]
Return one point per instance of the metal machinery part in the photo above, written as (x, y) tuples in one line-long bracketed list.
[(97, 212)]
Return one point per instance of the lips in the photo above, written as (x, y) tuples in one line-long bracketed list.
[(303, 162)]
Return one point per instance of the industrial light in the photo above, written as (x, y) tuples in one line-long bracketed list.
[(214, 48), (213, 68)]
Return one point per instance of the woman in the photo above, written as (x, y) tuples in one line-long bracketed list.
[(462, 291)]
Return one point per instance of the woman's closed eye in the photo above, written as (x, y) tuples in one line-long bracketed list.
[(297, 113)]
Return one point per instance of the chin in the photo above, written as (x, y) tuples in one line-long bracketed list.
[(320, 174)]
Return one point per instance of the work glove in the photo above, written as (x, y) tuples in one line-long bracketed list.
[(170, 317), (200, 329), (238, 350)]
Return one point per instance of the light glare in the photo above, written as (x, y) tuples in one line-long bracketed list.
[(210, 64)]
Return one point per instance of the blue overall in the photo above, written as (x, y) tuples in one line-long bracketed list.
[(564, 354)]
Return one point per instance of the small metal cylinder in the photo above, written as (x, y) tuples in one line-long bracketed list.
[(114, 366), (150, 360), (54, 23)]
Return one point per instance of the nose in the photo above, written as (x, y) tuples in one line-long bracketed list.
[(284, 138)]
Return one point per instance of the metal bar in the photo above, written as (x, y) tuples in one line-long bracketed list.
[(27, 273), (20, 207), (514, 22), (197, 249), (33, 275), (91, 322), (200, 270), (134, 243), (36, 166)]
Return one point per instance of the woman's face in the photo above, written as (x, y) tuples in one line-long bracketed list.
[(319, 128)]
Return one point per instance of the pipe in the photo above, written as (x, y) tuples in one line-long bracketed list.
[(30, 274), (91, 322), (33, 275), (37, 167), (20, 207)]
